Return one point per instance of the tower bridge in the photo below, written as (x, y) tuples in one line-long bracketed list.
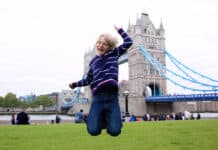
[(148, 75)]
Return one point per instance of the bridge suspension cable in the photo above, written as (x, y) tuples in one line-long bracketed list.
[(75, 98), (176, 62), (161, 69), (190, 79)]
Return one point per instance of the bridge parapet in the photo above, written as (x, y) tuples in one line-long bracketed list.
[(183, 97)]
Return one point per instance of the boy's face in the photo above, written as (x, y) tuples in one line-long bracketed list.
[(102, 46)]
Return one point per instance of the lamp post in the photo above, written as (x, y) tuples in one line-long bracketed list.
[(126, 94)]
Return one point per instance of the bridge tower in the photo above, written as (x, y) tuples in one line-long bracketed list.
[(143, 79), (87, 58)]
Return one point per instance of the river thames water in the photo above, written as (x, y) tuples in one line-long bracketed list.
[(5, 119), (71, 118)]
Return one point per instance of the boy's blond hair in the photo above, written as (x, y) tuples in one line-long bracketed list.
[(110, 40)]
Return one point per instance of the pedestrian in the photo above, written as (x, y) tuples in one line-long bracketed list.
[(103, 80), (132, 118), (198, 116), (22, 118), (13, 118), (57, 118), (79, 117)]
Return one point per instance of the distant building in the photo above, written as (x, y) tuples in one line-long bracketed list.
[(55, 99), (27, 98)]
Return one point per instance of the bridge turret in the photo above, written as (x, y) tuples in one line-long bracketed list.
[(161, 29), (161, 34)]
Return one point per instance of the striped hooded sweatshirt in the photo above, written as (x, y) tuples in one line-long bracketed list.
[(103, 70)]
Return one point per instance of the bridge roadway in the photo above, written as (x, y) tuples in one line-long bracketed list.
[(123, 59), (179, 98)]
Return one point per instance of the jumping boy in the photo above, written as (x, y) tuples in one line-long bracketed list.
[(103, 80)]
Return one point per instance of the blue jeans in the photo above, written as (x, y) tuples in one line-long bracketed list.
[(104, 107)]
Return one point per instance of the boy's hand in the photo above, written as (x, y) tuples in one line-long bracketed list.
[(71, 86), (116, 28)]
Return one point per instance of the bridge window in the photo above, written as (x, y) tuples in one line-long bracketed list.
[(146, 71), (152, 71), (149, 33)]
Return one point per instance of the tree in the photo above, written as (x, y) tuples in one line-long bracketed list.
[(44, 100), (10, 101), (1, 101), (24, 104)]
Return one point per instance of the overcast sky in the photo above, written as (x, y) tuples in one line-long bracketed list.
[(43, 42)]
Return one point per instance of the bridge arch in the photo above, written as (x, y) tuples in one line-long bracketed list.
[(154, 89)]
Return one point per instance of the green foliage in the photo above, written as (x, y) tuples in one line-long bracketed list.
[(24, 104), (33, 104), (1, 101), (162, 135), (10, 100), (44, 100)]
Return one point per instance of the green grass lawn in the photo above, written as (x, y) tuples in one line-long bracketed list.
[(165, 135)]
